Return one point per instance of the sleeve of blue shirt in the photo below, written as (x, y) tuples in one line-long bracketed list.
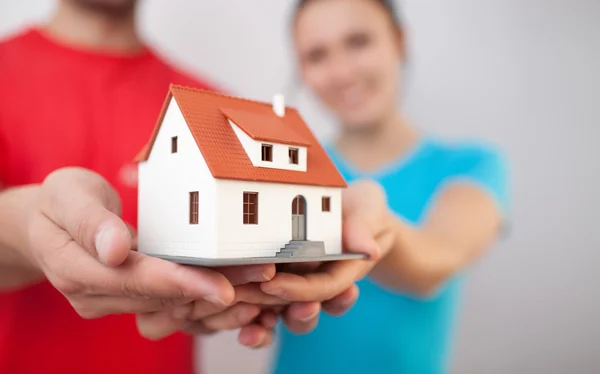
[(487, 168)]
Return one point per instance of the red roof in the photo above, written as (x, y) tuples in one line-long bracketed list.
[(206, 115), (266, 127)]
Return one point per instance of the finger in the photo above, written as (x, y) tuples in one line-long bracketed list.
[(247, 293), (255, 336), (146, 276), (268, 319), (366, 196), (235, 317), (133, 232), (331, 280), (302, 318), (342, 302), (238, 275), (358, 237), (75, 271), (252, 294), (155, 326), (196, 328), (159, 325), (100, 306), (87, 207), (202, 309), (299, 267)]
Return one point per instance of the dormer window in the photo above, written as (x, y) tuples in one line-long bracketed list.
[(293, 155), (267, 153)]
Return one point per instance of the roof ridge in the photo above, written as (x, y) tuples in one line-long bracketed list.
[(195, 89)]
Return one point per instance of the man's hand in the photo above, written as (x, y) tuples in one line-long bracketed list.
[(78, 240)]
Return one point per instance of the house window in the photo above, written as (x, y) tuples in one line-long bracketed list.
[(267, 152), (293, 153), (194, 208), (250, 208), (326, 204), (174, 144)]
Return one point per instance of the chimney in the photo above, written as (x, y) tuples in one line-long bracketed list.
[(279, 105)]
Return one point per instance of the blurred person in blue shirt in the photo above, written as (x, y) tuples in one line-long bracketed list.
[(446, 202)]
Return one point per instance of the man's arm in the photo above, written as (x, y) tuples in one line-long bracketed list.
[(16, 269)]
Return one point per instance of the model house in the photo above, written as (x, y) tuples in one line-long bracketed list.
[(229, 178)]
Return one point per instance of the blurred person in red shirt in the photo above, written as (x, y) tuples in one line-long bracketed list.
[(84, 92)]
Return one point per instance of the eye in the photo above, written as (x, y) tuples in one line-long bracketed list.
[(358, 40), (315, 55)]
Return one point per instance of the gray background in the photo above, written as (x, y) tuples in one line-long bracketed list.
[(519, 73)]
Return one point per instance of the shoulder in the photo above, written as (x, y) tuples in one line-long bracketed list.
[(14, 47), (459, 157), (473, 162)]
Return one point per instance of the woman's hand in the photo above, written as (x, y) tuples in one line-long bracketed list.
[(367, 228)]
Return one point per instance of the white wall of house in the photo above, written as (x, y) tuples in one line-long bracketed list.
[(165, 183), (274, 228), (280, 152)]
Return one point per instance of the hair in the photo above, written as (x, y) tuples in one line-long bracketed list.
[(388, 5)]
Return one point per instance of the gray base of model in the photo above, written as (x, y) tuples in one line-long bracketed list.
[(294, 251)]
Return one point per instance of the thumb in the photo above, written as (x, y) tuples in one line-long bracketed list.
[(83, 204), (358, 238), (364, 210)]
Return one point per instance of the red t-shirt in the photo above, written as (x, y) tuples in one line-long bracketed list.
[(61, 106)]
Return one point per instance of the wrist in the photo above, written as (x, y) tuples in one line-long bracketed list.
[(17, 206)]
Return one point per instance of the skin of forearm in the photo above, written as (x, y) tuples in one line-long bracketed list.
[(16, 269), (416, 260)]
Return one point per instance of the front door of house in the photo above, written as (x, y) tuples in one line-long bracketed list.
[(299, 218)]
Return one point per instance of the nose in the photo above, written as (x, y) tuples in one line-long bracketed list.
[(342, 71)]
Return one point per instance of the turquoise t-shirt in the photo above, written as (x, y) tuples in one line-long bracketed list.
[(388, 332)]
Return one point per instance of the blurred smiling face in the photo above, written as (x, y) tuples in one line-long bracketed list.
[(350, 56)]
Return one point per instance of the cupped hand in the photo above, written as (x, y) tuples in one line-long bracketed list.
[(79, 241), (297, 293), (366, 229)]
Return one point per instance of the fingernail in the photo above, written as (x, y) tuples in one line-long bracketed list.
[(102, 242), (256, 275), (310, 317), (181, 312), (214, 299)]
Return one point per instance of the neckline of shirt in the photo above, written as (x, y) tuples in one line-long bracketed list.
[(390, 167)]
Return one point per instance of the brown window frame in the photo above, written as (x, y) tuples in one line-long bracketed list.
[(266, 152), (194, 203), (250, 208), (293, 154), (174, 144), (326, 204)]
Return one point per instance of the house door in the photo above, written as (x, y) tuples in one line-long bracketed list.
[(299, 218)]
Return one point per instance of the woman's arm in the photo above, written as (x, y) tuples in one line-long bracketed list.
[(461, 225)]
